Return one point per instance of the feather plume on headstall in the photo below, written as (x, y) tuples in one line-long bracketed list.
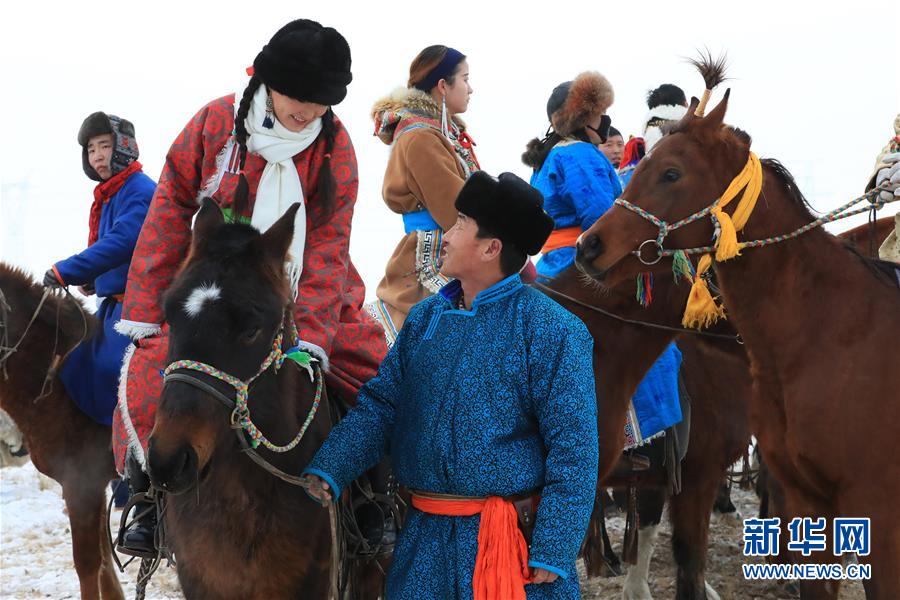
[(702, 309), (713, 73)]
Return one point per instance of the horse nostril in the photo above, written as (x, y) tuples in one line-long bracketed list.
[(591, 247), (175, 471)]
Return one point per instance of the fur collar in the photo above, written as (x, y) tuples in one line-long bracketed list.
[(656, 118), (403, 104)]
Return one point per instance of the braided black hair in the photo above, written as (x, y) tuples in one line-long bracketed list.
[(327, 185), (536, 150), (242, 192)]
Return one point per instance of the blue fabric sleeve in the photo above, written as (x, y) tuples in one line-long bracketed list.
[(335, 488), (115, 247), (539, 565), (565, 403), (361, 438), (590, 182)]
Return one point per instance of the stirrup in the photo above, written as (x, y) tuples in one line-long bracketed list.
[(125, 524)]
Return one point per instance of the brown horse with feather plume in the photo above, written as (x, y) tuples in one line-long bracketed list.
[(825, 381)]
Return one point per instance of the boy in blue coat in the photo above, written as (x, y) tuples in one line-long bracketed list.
[(121, 199)]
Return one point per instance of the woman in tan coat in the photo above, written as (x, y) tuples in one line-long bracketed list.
[(431, 158)]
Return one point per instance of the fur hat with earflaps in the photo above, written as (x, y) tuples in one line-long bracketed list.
[(574, 103), (125, 148)]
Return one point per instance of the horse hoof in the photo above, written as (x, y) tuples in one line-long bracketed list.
[(711, 594), (639, 593), (636, 590)]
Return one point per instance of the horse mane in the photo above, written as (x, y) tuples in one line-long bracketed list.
[(787, 179), (23, 294), (882, 270)]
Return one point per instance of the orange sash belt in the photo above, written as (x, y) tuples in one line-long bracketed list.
[(501, 565), (561, 238)]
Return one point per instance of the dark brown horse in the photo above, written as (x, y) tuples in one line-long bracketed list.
[(823, 374), (235, 529), (64, 443)]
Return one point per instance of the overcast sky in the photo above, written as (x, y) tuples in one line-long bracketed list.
[(816, 87)]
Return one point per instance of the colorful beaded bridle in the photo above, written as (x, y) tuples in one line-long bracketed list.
[(240, 414)]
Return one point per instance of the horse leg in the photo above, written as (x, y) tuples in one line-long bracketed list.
[(110, 588), (689, 512), (723, 504), (799, 503), (651, 502), (884, 559), (87, 511), (884, 537)]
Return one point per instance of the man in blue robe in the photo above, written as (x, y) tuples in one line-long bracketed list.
[(486, 396)]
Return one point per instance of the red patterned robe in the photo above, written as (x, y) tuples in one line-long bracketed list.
[(328, 308)]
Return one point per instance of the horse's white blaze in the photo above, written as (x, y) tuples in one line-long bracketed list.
[(208, 292), (637, 585)]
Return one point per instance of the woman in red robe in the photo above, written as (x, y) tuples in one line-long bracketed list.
[(273, 143)]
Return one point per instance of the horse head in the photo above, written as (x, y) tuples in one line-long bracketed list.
[(225, 310), (683, 175)]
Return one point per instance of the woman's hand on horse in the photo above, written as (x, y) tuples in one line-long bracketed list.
[(319, 489), (87, 289), (542, 576)]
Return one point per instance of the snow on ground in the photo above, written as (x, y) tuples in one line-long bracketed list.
[(36, 555), (36, 548)]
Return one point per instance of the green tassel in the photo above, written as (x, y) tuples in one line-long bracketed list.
[(644, 294), (681, 267)]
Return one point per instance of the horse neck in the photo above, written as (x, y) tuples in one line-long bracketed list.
[(624, 352), (780, 296)]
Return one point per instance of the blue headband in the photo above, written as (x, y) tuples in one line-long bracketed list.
[(443, 70)]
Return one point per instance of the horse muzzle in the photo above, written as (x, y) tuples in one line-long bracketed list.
[(588, 249), (173, 472)]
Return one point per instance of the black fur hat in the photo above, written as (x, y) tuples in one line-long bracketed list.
[(307, 62), (125, 148), (508, 208)]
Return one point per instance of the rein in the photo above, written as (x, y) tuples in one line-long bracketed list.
[(241, 422), (702, 308), (842, 212), (6, 351), (647, 324)]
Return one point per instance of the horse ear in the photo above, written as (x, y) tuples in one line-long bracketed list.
[(277, 239), (689, 115), (209, 218), (716, 116), (695, 102)]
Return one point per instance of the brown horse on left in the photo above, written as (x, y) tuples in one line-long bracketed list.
[(819, 323), (238, 531), (64, 443)]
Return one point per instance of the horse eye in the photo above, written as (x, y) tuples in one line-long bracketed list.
[(671, 175), (251, 335)]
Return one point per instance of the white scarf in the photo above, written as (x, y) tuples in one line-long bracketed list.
[(279, 186)]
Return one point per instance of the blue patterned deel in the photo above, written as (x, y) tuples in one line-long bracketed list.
[(498, 400)]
